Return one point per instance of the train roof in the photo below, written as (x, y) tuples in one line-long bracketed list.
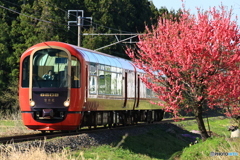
[(102, 58), (94, 56)]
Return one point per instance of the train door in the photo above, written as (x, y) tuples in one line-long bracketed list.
[(130, 87), (137, 91), (125, 90)]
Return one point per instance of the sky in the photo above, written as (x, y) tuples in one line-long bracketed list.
[(203, 4)]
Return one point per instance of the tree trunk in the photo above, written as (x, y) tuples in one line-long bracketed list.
[(200, 122)]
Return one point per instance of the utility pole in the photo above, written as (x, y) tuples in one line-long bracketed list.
[(79, 14), (79, 30)]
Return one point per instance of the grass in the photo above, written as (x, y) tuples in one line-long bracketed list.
[(12, 125), (218, 144), (157, 144), (112, 153), (218, 125), (154, 145), (7, 123), (34, 153)]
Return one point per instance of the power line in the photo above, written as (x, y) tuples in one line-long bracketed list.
[(115, 43), (64, 12), (11, 3), (90, 21), (38, 19), (24, 14), (79, 24), (33, 18)]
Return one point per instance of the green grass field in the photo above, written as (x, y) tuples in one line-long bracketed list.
[(158, 143), (220, 141), (218, 125)]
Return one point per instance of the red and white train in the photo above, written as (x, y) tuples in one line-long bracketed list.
[(64, 87)]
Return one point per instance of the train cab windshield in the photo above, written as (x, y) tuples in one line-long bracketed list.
[(50, 69)]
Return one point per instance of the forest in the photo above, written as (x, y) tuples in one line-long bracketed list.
[(27, 22)]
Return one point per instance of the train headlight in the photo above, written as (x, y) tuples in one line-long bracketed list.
[(32, 103), (66, 103)]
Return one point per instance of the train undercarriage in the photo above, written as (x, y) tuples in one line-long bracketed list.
[(115, 118)]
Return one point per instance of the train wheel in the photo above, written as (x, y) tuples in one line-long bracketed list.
[(124, 119)]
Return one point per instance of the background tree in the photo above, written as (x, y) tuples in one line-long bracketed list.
[(6, 18), (189, 61), (4, 50), (38, 21), (126, 16), (27, 22)]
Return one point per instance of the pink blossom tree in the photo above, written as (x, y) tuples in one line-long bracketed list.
[(225, 92), (192, 63)]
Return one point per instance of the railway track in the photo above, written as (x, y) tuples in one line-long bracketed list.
[(40, 136)]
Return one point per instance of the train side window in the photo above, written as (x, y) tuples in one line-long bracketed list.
[(119, 83), (101, 82), (92, 84), (93, 69), (104, 82), (75, 73), (25, 72), (110, 81), (114, 83), (131, 82), (93, 78)]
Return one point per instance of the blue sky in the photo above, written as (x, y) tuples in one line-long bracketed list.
[(203, 4)]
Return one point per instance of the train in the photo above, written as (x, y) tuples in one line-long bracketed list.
[(63, 87)]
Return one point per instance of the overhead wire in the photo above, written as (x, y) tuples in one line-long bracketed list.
[(28, 15), (38, 19), (24, 14), (11, 3), (92, 22)]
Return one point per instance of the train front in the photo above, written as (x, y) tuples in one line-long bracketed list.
[(50, 93)]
